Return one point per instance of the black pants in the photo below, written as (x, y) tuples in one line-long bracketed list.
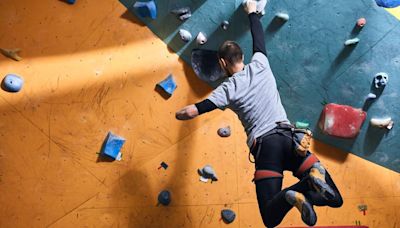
[(276, 154)]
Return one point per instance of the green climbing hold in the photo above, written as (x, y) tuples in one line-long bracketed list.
[(302, 125)]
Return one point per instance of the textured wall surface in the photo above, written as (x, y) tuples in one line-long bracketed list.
[(92, 67), (310, 62)]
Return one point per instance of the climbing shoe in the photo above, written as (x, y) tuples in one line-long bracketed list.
[(305, 208), (317, 179)]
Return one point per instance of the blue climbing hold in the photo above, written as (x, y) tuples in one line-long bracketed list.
[(71, 1), (12, 83), (164, 198), (228, 216), (388, 3), (168, 85), (146, 9), (112, 146)]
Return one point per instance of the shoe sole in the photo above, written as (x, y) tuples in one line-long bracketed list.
[(308, 214), (323, 188)]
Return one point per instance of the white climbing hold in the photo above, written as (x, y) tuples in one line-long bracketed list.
[(382, 123), (283, 16), (185, 35), (381, 79), (201, 38), (371, 96), (261, 6), (352, 41)]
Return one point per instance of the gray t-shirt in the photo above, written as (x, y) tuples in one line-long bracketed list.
[(253, 95)]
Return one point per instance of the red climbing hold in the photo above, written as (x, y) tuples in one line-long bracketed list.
[(361, 22), (341, 120)]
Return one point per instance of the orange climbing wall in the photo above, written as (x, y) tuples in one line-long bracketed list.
[(90, 68)]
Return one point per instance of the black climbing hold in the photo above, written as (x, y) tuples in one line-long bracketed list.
[(164, 165), (164, 198), (225, 25), (228, 216), (206, 66)]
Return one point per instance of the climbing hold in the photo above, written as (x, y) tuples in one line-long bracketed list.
[(225, 25), (260, 6), (184, 17), (168, 84), (341, 120), (388, 3), (182, 13), (12, 83), (381, 79), (163, 165), (208, 173), (283, 16), (363, 208), (224, 131), (112, 146), (301, 125), (185, 35), (382, 123), (146, 9), (352, 41), (71, 1), (164, 198), (228, 216), (371, 96), (11, 53), (205, 65), (361, 22), (201, 38)]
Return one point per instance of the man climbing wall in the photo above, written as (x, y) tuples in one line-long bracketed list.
[(251, 92)]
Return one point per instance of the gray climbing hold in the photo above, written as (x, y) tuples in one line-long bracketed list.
[(186, 36), (225, 25), (228, 216), (11, 53), (12, 83), (224, 131), (352, 41), (381, 79), (283, 16), (182, 13), (208, 173), (164, 198)]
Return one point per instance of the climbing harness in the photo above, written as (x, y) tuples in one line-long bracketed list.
[(301, 139)]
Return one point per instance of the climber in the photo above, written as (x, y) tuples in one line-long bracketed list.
[(251, 92)]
